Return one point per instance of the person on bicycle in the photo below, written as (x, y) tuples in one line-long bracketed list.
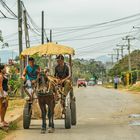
[(62, 72), (30, 75)]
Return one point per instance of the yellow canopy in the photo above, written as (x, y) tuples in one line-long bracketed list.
[(48, 49)]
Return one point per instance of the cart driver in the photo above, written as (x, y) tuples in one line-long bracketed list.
[(62, 72), (30, 75)]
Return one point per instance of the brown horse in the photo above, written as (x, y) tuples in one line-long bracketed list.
[(45, 93)]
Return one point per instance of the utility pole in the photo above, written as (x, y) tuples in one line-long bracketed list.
[(122, 51), (122, 48), (50, 62), (20, 32), (42, 32), (112, 58), (50, 35), (20, 38), (117, 56), (42, 37), (129, 38), (27, 40), (26, 29)]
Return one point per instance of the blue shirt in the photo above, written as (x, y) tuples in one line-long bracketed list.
[(116, 80), (31, 72)]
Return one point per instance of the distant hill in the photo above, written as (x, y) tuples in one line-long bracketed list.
[(6, 54), (103, 58), (122, 65)]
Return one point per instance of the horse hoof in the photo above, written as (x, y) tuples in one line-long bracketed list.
[(43, 131), (50, 130)]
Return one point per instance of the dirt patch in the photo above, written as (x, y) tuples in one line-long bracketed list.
[(13, 115)]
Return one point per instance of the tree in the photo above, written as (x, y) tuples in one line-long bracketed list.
[(87, 68), (17, 58), (122, 65)]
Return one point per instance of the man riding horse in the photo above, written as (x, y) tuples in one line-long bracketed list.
[(62, 77), (62, 72)]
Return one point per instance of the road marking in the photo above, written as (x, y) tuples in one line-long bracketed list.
[(134, 116), (135, 123)]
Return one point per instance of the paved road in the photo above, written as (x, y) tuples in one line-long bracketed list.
[(102, 115)]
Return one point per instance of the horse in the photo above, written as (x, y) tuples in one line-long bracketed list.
[(45, 92)]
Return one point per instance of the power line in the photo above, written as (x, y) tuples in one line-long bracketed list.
[(33, 41), (96, 44), (8, 9), (90, 53), (90, 38), (72, 30), (116, 25), (3, 14), (12, 40), (94, 25), (35, 28), (129, 38), (8, 18), (90, 33), (31, 20)]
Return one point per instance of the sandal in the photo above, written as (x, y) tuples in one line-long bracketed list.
[(5, 124)]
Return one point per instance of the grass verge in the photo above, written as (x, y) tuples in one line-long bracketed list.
[(4, 133)]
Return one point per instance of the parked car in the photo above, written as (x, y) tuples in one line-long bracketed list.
[(99, 82), (91, 82), (81, 83)]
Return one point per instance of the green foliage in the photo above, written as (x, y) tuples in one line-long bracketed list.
[(122, 65), (17, 58), (41, 61), (87, 69), (14, 81), (134, 88), (2, 134), (13, 126)]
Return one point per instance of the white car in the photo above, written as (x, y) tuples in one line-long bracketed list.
[(99, 82)]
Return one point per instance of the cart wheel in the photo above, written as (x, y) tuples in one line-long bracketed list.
[(73, 112), (27, 116), (68, 118)]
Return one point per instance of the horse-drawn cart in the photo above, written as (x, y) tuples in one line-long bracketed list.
[(68, 104)]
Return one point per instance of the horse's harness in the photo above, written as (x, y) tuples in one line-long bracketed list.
[(48, 86)]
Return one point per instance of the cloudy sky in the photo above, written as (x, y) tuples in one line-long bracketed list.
[(65, 17)]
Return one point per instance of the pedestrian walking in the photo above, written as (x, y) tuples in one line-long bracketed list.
[(116, 81)]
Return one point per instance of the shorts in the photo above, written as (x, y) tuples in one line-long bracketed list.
[(4, 102), (29, 87)]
